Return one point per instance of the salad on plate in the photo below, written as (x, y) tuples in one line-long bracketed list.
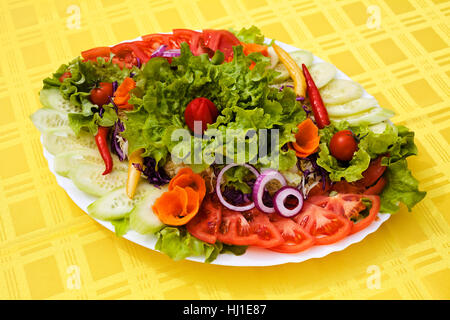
[(218, 141)]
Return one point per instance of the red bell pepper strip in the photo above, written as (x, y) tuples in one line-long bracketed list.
[(102, 145), (317, 106)]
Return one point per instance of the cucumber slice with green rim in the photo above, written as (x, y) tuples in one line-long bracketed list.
[(302, 57), (90, 179), (339, 91), (46, 119), (351, 108), (284, 73), (322, 73), (142, 218), (52, 98), (372, 116), (116, 204), (60, 141), (64, 162)]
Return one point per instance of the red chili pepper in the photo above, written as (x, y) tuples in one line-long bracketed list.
[(102, 145), (317, 106)]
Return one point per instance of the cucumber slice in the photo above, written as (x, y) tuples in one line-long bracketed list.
[(89, 178), (273, 57), (302, 57), (351, 108), (322, 73), (284, 73), (46, 119), (142, 218), (372, 116), (339, 91), (65, 161), (60, 141), (52, 98), (116, 204)]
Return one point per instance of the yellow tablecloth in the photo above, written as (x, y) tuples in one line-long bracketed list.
[(49, 248)]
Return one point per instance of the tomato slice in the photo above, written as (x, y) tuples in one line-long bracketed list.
[(326, 226), (373, 172), (222, 40), (295, 237), (248, 228), (350, 206), (155, 40), (92, 54), (205, 224), (377, 187), (235, 229)]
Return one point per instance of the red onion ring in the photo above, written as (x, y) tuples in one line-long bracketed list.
[(281, 196), (260, 185), (219, 192)]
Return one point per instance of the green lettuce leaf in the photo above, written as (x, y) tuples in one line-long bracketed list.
[(401, 187), (179, 244), (351, 172), (243, 97), (250, 35), (121, 226)]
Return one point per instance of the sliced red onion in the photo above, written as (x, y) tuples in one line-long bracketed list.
[(158, 52), (171, 53), (219, 192), (280, 198), (115, 145), (260, 185), (115, 85)]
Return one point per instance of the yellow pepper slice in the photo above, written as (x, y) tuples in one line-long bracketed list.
[(294, 70), (133, 173)]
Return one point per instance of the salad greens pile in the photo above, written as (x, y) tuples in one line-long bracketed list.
[(243, 97)]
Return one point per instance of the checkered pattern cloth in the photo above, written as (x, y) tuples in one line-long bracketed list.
[(50, 249)]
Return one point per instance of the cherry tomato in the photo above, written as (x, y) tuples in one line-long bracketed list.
[(343, 145), (100, 95), (200, 109), (65, 75)]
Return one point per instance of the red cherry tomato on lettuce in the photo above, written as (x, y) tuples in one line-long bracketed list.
[(100, 95), (200, 109), (343, 145)]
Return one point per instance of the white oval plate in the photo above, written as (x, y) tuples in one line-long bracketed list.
[(254, 256)]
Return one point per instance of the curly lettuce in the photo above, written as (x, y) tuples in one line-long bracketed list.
[(179, 244), (242, 95), (395, 144)]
